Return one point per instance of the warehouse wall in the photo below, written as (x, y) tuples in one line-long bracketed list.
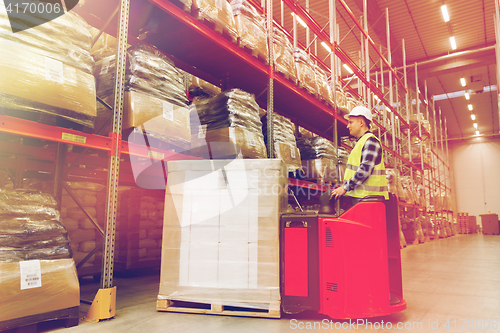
[(476, 175)]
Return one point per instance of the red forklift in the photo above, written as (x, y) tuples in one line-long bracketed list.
[(346, 266)]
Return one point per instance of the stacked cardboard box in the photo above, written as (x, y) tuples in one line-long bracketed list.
[(490, 224), (251, 27), (155, 98), (221, 232), (47, 68), (37, 274), (305, 71), (227, 125), (283, 55)]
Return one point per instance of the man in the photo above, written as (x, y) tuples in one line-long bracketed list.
[(365, 172)]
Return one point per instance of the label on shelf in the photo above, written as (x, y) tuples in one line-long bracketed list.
[(155, 154), (168, 111), (74, 138), (218, 4), (105, 66), (202, 132), (31, 274), (54, 70)]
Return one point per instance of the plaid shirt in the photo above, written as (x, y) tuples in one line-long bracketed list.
[(371, 155)]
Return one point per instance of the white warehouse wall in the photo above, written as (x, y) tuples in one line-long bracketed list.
[(475, 167)]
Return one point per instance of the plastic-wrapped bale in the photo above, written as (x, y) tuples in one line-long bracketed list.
[(340, 99), (251, 27), (219, 14), (104, 47), (324, 91), (305, 71), (227, 125), (223, 245), (155, 97), (30, 227), (343, 155), (285, 145), (83, 234), (305, 134), (392, 176), (319, 159), (283, 55), (47, 69)]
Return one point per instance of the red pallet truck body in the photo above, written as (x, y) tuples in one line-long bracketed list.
[(345, 267)]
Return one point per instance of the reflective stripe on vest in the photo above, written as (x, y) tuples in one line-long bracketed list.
[(376, 184)]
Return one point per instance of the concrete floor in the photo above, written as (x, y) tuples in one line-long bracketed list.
[(454, 280)]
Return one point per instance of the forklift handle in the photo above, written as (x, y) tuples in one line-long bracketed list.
[(289, 224)]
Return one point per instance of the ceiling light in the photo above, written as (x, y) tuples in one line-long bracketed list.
[(302, 23), (453, 43), (475, 125), (326, 47), (348, 69), (462, 82), (473, 117), (477, 132), (467, 96), (444, 10), (470, 107)]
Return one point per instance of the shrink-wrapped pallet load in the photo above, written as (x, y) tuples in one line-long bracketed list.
[(284, 61), (251, 27), (155, 98), (37, 274), (47, 68), (285, 144), (319, 159), (221, 233), (324, 89), (219, 14), (201, 87), (305, 71), (227, 125)]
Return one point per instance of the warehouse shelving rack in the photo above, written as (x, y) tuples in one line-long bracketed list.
[(227, 65)]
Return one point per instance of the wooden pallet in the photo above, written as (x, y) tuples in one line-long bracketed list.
[(68, 317), (273, 311), (217, 27), (254, 53)]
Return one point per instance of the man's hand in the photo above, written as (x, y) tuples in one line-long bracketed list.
[(338, 192)]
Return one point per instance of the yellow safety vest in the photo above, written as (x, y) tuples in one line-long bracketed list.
[(376, 184)]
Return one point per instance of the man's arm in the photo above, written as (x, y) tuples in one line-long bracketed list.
[(370, 155)]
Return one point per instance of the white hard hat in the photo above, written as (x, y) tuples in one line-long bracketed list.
[(360, 111)]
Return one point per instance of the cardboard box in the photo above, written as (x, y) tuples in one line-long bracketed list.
[(59, 289), (289, 154), (222, 244), (33, 82), (227, 142)]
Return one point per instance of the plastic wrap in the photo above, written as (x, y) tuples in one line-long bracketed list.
[(66, 39), (33, 82), (59, 289), (251, 27), (229, 123), (219, 13), (222, 221), (322, 82), (341, 98), (104, 47), (305, 71), (30, 227), (147, 72), (285, 145), (316, 147), (283, 55)]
